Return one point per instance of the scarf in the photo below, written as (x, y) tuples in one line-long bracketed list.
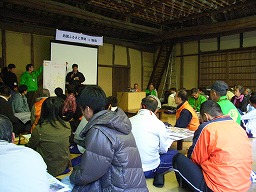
[(238, 99)]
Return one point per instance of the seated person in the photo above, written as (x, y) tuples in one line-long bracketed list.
[(249, 119), (136, 87), (111, 161), (6, 109), (196, 99), (218, 94), (151, 90), (112, 103), (220, 157), (69, 107), (36, 108), (152, 139), (186, 117), (59, 93), (239, 100), (20, 102), (17, 161), (50, 138)]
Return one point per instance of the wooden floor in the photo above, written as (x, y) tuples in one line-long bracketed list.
[(170, 180)]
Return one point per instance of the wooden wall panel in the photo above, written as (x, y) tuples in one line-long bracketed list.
[(233, 67)]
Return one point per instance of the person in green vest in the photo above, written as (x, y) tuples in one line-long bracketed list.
[(196, 99), (218, 94), (29, 78), (151, 90)]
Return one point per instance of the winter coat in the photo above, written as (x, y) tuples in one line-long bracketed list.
[(111, 161)]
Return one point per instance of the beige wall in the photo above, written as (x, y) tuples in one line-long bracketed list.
[(18, 46), (120, 55), (250, 39), (105, 79), (105, 56), (190, 72), (136, 68), (190, 47), (209, 44), (230, 42)]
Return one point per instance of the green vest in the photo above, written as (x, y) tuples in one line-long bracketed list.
[(196, 103), (229, 108)]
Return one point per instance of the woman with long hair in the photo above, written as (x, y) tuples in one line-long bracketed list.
[(50, 138)]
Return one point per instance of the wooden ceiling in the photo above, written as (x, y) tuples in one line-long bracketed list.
[(136, 21)]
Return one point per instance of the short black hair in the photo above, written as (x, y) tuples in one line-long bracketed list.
[(173, 89), (6, 129), (183, 95), (194, 90), (71, 88), (58, 91), (94, 97), (112, 100), (5, 91), (22, 88), (52, 111), (211, 107), (149, 103), (28, 66), (253, 99), (74, 65), (11, 66)]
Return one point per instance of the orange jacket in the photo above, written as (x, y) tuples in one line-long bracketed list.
[(223, 151), (38, 107), (194, 123)]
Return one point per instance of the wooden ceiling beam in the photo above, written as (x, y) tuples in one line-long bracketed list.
[(67, 10), (237, 25)]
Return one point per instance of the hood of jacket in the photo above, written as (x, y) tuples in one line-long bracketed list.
[(116, 120)]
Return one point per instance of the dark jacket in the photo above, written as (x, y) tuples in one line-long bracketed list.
[(10, 79), (6, 109), (73, 81), (111, 161)]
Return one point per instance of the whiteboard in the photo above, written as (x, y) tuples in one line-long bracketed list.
[(85, 57), (53, 76)]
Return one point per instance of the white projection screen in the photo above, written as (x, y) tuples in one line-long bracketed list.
[(86, 57)]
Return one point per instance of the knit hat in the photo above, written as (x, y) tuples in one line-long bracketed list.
[(220, 87)]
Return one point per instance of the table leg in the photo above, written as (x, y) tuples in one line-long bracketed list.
[(179, 144)]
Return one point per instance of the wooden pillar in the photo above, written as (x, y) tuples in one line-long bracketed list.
[(182, 66), (3, 49), (32, 48)]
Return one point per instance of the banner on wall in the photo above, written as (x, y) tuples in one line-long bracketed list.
[(78, 38)]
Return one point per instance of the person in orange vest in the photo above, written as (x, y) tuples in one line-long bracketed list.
[(220, 157), (36, 108), (186, 117)]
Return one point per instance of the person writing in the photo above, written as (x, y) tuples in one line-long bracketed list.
[(75, 77)]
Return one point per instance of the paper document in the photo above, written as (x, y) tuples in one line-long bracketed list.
[(56, 185)]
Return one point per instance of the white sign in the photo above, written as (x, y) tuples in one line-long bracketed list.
[(54, 76), (78, 38)]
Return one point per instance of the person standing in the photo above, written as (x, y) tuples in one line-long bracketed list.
[(75, 77), (29, 78), (10, 78)]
